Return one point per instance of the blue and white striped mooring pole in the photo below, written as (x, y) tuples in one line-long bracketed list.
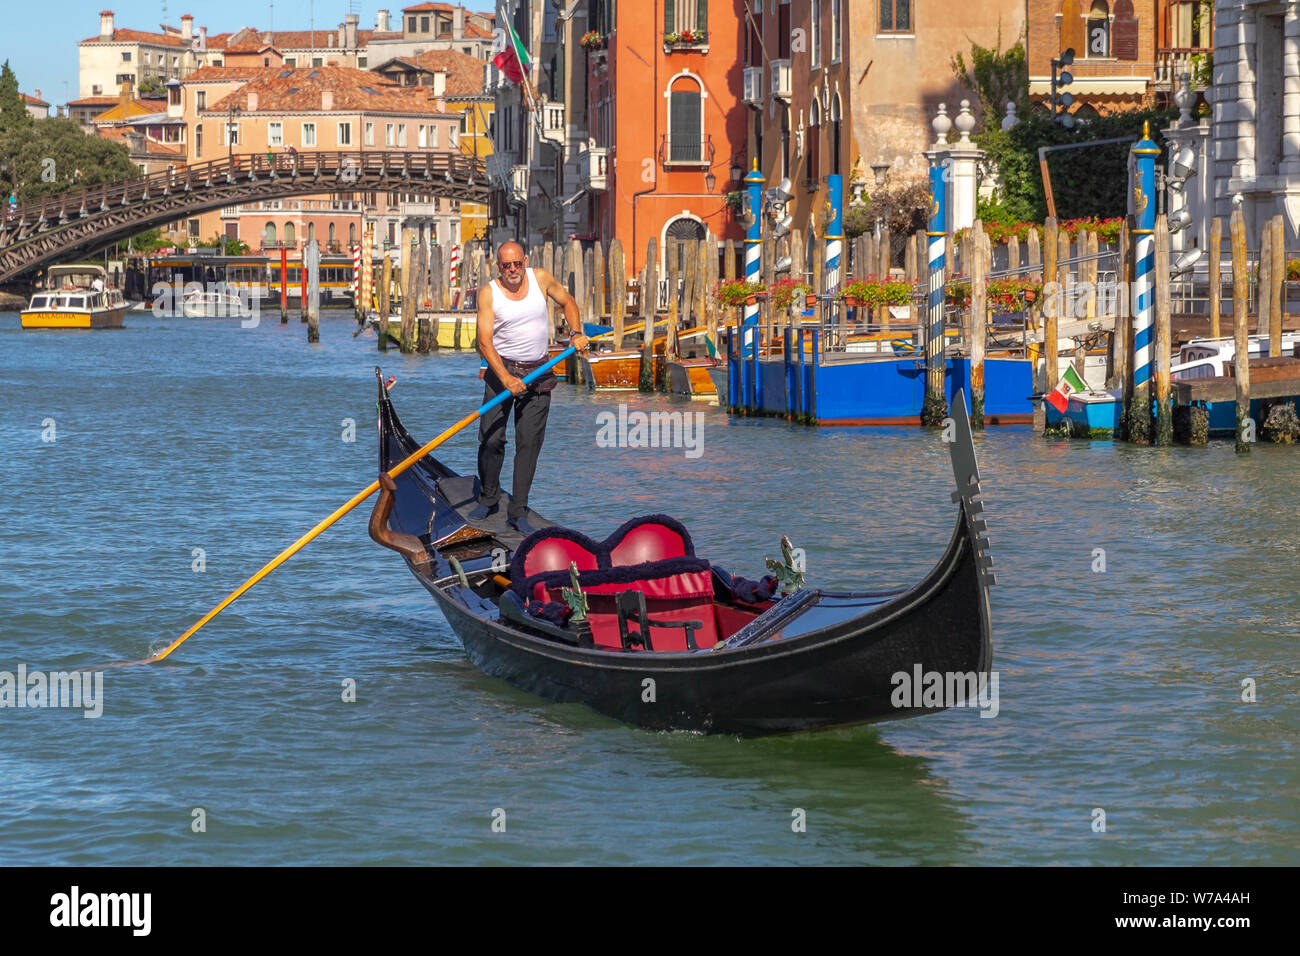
[(935, 408), (1144, 195), (753, 251), (834, 230)]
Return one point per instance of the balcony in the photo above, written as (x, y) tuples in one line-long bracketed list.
[(519, 185), (553, 128), (781, 80), (1173, 62), (593, 167), (685, 151), (687, 40), (229, 212), (753, 95)]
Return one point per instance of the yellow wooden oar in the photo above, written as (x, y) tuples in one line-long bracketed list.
[(355, 500)]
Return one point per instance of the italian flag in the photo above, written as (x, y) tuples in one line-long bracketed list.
[(1067, 386), (513, 59)]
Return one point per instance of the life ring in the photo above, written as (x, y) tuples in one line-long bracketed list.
[(902, 345)]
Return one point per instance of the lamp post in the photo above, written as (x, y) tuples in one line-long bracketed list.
[(232, 114)]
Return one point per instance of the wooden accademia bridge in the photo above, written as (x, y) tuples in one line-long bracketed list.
[(79, 222)]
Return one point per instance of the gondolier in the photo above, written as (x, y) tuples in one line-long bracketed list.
[(513, 332)]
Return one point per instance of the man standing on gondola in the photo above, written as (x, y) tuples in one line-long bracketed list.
[(513, 333)]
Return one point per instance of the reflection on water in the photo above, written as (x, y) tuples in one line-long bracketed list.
[(1120, 689)]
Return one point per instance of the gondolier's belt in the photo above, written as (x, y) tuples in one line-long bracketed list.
[(520, 369)]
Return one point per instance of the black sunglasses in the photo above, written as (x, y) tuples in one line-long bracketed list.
[(512, 265)]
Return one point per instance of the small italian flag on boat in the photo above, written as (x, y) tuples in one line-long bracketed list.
[(1067, 386)]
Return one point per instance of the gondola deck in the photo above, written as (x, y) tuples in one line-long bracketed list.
[(810, 659)]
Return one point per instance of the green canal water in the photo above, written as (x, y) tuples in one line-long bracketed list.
[(1120, 689)]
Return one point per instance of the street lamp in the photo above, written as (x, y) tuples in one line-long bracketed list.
[(710, 181), (232, 114), (737, 169)]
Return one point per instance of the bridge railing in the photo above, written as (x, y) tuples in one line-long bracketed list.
[(333, 171)]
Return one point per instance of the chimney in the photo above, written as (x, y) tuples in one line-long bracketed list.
[(203, 38), (252, 101), (342, 37), (458, 24), (350, 30), (124, 96), (381, 21), (187, 28), (106, 24), (326, 100), (37, 93), (439, 84)]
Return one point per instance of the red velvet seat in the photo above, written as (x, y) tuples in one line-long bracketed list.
[(653, 555)]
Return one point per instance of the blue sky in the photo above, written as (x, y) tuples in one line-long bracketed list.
[(40, 38)]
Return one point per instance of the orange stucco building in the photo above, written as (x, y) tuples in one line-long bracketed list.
[(664, 108)]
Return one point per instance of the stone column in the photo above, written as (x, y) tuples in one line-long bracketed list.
[(962, 173)]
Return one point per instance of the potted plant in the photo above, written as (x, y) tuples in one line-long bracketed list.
[(592, 40), (737, 292), (784, 293), (857, 293)]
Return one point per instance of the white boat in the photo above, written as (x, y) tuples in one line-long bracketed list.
[(1207, 358), (71, 301), (199, 305)]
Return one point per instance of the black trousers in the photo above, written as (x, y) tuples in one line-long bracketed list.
[(531, 410)]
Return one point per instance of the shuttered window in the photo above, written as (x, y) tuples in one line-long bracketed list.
[(684, 125), (683, 15)]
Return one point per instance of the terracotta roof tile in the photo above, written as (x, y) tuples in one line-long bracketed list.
[(94, 101), (33, 101), (216, 74), (281, 90), (295, 40), (464, 72), (429, 8), (140, 36)]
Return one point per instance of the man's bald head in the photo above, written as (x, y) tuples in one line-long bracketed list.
[(509, 251)]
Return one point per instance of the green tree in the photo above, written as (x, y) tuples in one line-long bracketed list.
[(1091, 181), (52, 156), (13, 111), (997, 76)]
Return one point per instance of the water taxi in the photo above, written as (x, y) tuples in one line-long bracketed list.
[(70, 301), (201, 305)]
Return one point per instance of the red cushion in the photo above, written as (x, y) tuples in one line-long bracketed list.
[(647, 542), (554, 554), (604, 623)]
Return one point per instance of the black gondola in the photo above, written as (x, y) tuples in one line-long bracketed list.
[(721, 654)]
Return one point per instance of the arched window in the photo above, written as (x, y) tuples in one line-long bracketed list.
[(332, 237), (1098, 30), (290, 235), (685, 228), (834, 142), (268, 235), (685, 121), (813, 171), (1124, 31), (311, 231), (352, 234)]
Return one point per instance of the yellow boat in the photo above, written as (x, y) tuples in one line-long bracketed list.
[(70, 301)]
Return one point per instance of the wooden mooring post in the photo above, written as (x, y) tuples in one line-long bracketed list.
[(410, 299), (1240, 332), (617, 291), (1163, 339), (1051, 306), (1216, 277), (385, 285), (649, 302), (311, 301)]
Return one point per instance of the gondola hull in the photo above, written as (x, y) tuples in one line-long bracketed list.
[(815, 659)]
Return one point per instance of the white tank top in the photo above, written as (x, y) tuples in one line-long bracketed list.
[(521, 329)]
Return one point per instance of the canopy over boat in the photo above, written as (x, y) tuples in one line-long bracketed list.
[(640, 627)]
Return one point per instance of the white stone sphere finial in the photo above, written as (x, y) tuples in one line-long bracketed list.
[(965, 122), (1011, 120), (941, 124)]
